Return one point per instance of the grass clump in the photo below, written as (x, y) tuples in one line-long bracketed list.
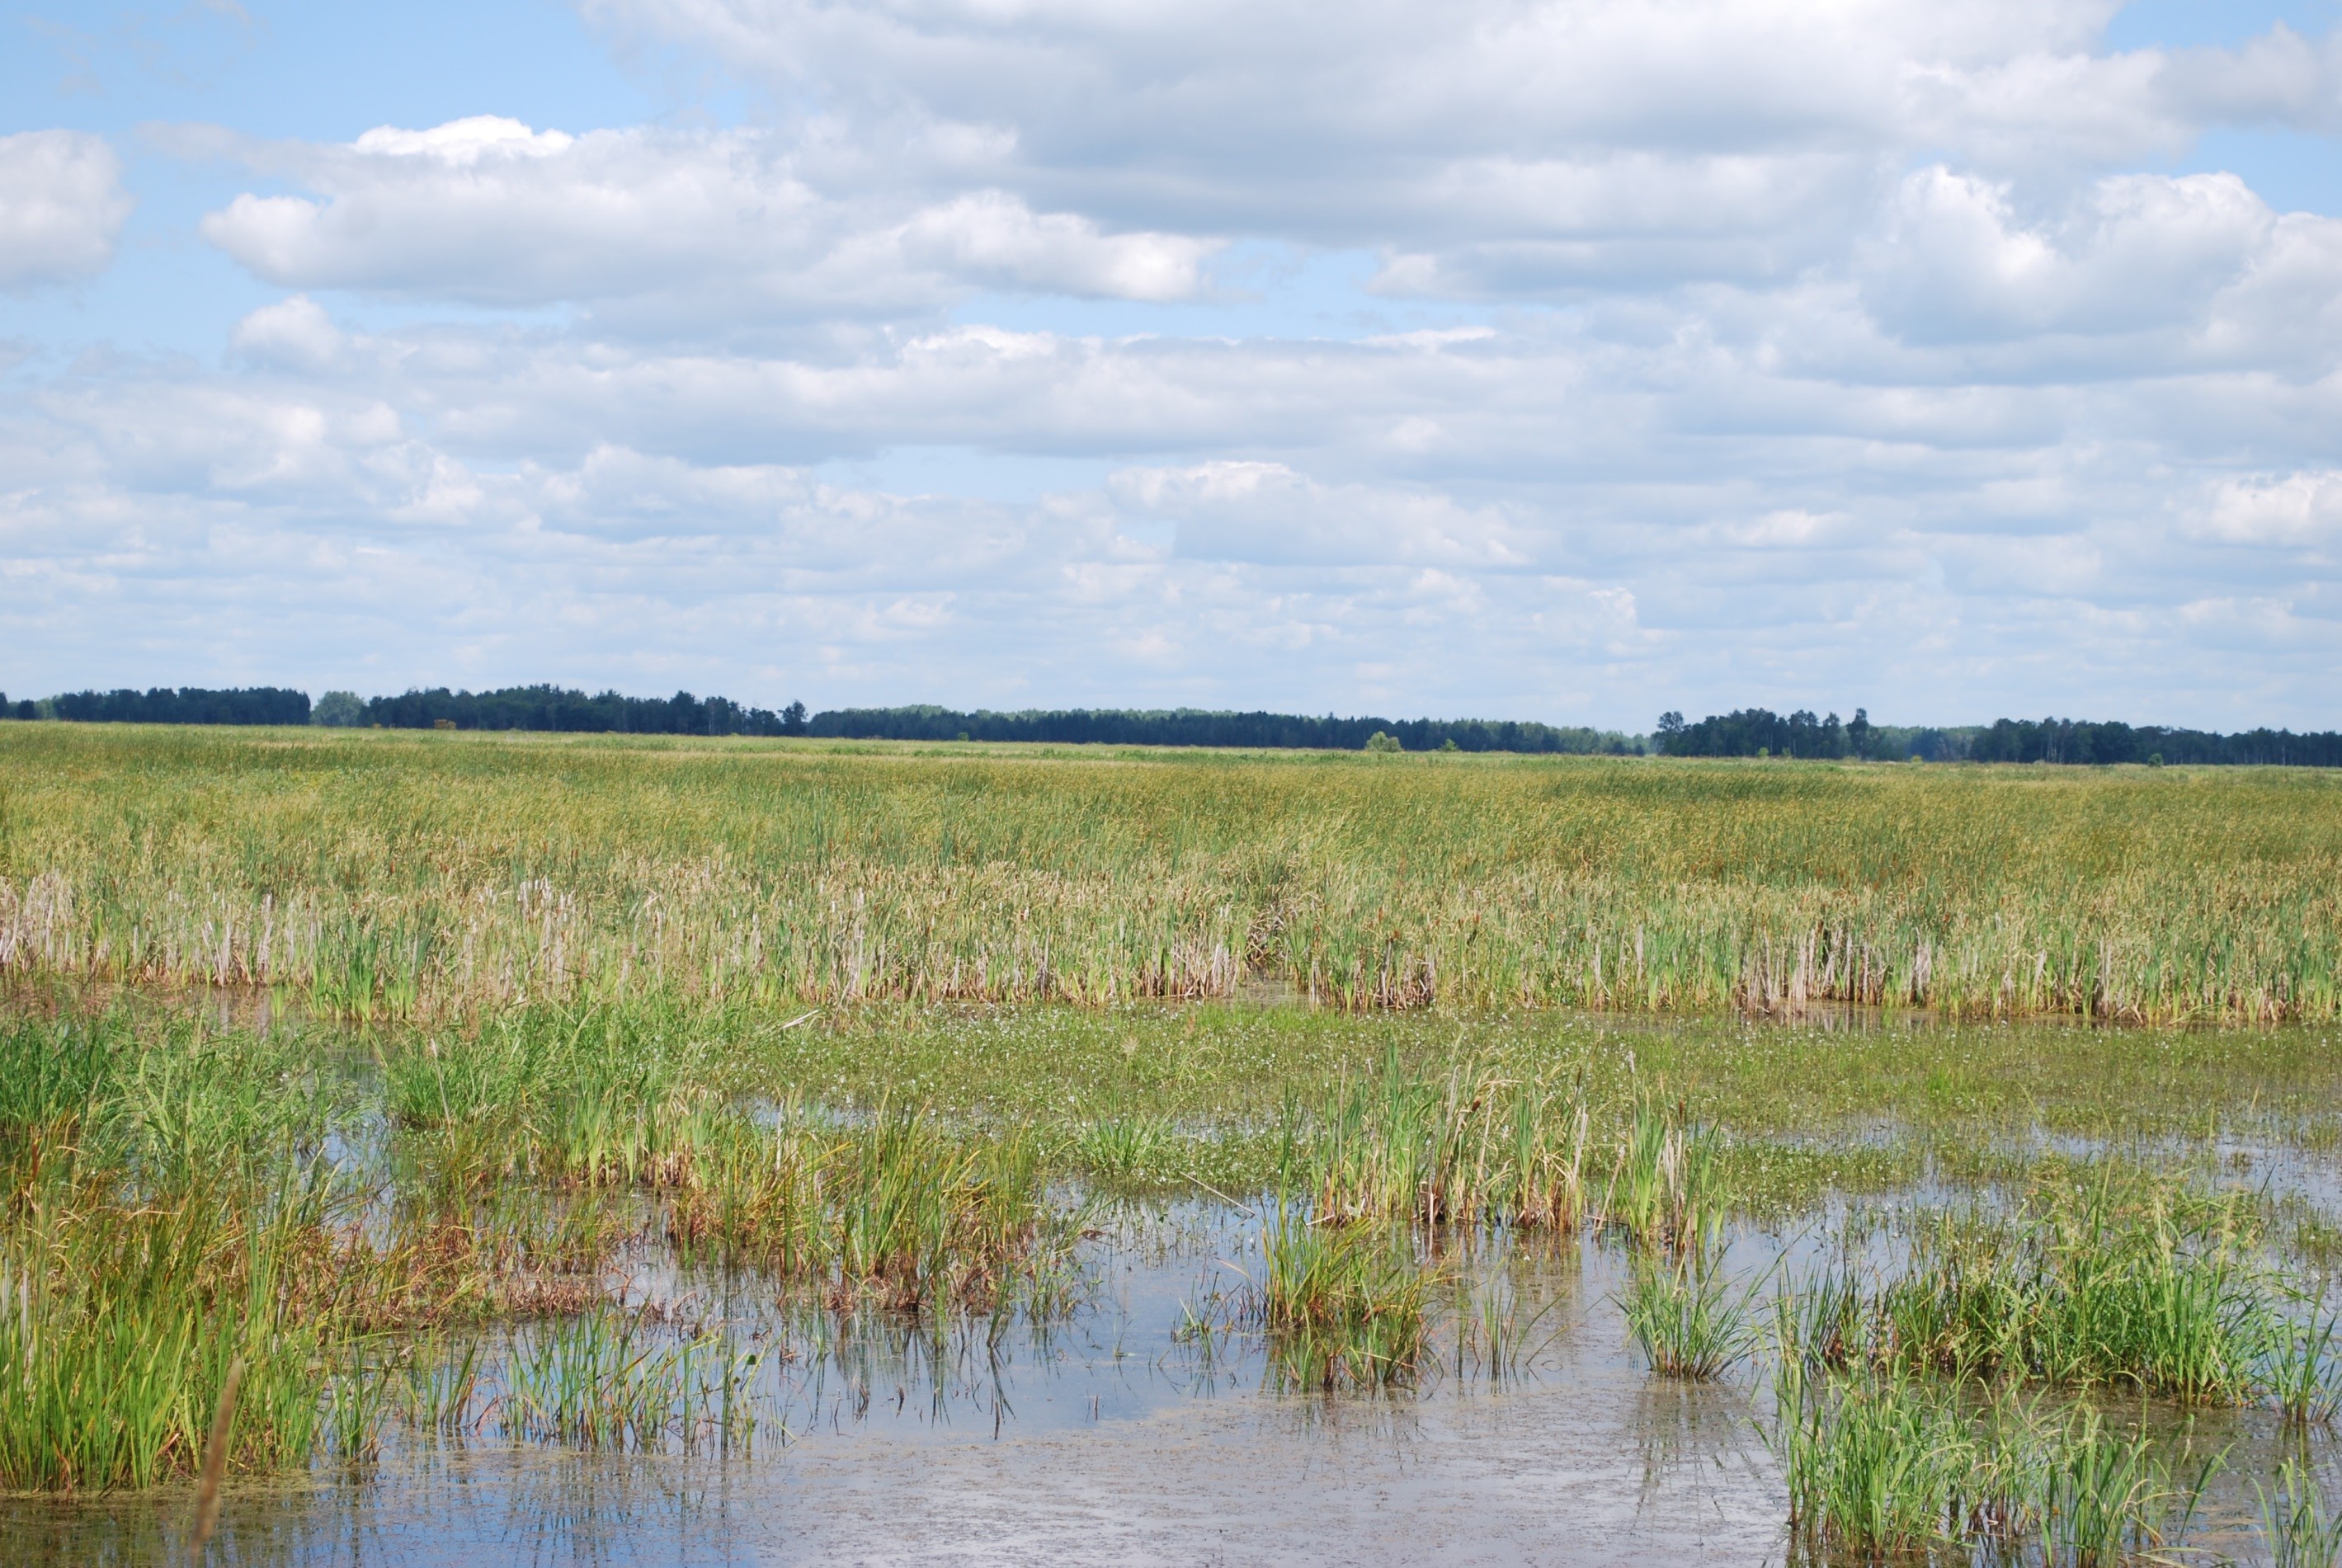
[(606, 1379), (2112, 1280), (2301, 1529), (169, 1212), (1475, 1147), (1885, 1463), (1685, 1314), (897, 1210), (1340, 1305)]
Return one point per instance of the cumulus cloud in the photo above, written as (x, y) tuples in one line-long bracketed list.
[(1495, 121), (2133, 251), (1683, 350), (62, 206), (1267, 512), (2304, 508), (490, 212), (541, 501)]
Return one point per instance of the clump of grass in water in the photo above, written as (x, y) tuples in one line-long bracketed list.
[(1667, 1186), (2119, 1280), (1687, 1316), (1340, 1305), (118, 1329), (605, 1379), (1886, 1463), (896, 1210), (167, 1215), (2299, 1364), (1129, 1151)]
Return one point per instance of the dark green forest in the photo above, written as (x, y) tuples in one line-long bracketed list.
[(1197, 727), (1759, 732), (1743, 732)]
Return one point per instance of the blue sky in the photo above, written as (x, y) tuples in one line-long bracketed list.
[(1558, 360)]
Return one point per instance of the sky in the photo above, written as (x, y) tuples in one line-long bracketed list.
[(1567, 362)]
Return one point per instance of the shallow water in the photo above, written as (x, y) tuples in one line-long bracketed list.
[(1102, 1439), (1108, 1438)]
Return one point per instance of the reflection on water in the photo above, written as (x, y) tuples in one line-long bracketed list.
[(1102, 1438)]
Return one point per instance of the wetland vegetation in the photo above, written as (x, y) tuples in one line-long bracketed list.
[(533, 1104)]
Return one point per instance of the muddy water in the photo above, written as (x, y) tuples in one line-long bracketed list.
[(1106, 1439)]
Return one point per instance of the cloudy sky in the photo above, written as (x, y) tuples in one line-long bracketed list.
[(1565, 361)]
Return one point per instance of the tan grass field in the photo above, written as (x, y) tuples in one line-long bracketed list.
[(399, 873)]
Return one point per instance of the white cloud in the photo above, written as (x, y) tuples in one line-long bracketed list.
[(653, 519), (2131, 251), (2304, 508), (1265, 511), (1620, 355), (62, 206), (295, 333), (488, 212)]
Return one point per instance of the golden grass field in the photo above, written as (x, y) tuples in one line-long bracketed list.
[(396, 873)]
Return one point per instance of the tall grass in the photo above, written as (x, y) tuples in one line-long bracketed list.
[(116, 1332), (605, 1379), (2113, 1279), (387, 875), (1687, 1316), (1477, 1147), (2302, 1530), (1341, 1305), (1888, 1463)]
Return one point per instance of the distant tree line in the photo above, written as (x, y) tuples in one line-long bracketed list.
[(163, 705), (1199, 728), (2074, 741), (1759, 732), (1743, 732), (550, 707)]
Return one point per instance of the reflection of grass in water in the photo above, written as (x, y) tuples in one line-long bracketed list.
[(606, 1379), (2302, 1530), (1341, 1305)]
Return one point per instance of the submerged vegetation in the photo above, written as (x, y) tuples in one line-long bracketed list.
[(423, 875)]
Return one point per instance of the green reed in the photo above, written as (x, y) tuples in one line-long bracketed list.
[(1475, 1147), (395, 876), (117, 1332), (606, 1379), (1340, 1305), (2301, 1529), (2112, 1280), (898, 1209), (1687, 1316), (1885, 1463)]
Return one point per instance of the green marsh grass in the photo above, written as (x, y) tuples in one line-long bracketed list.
[(1690, 1318), (439, 1203), (1341, 1305), (606, 1379), (384, 876), (1476, 1148), (2303, 1531), (2123, 1280), (1886, 1464)]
